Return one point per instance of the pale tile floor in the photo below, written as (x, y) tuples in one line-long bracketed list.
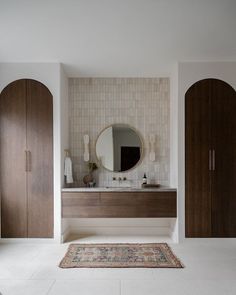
[(33, 269)]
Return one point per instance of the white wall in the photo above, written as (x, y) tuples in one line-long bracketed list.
[(64, 121), (174, 224), (173, 126), (188, 74), (50, 75)]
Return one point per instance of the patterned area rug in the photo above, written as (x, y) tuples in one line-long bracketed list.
[(120, 255)]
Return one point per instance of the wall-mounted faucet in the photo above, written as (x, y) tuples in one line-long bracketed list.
[(121, 181), (119, 178)]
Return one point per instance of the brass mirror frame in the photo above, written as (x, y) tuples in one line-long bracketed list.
[(141, 149)]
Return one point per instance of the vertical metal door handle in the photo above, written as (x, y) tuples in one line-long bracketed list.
[(213, 160), (209, 160), (29, 161), (26, 161)]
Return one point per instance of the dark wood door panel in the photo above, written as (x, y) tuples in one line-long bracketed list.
[(40, 146), (12, 160), (224, 170), (26, 133), (197, 174), (210, 196)]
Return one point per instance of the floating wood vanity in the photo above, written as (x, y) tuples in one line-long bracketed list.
[(123, 203)]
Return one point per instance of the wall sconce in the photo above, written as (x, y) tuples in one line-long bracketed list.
[(152, 155), (86, 148)]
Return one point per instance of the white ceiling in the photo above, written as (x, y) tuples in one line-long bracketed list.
[(117, 37)]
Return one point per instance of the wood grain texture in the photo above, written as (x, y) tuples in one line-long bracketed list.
[(197, 174), (210, 126), (83, 199), (26, 125), (12, 161), (224, 144), (119, 204), (40, 145)]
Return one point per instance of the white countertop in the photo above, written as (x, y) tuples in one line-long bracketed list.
[(118, 189)]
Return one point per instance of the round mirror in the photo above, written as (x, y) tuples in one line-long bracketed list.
[(119, 148)]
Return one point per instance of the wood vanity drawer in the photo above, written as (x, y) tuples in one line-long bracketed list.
[(76, 204), (140, 204), (119, 204)]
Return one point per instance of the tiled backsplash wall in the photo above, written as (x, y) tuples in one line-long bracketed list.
[(143, 103)]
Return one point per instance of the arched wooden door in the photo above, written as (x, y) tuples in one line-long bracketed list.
[(210, 159), (26, 160)]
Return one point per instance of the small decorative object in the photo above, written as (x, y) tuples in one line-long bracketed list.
[(152, 155), (88, 179), (91, 184), (144, 179), (86, 148), (92, 167)]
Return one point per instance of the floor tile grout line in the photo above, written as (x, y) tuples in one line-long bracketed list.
[(32, 274), (50, 288)]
